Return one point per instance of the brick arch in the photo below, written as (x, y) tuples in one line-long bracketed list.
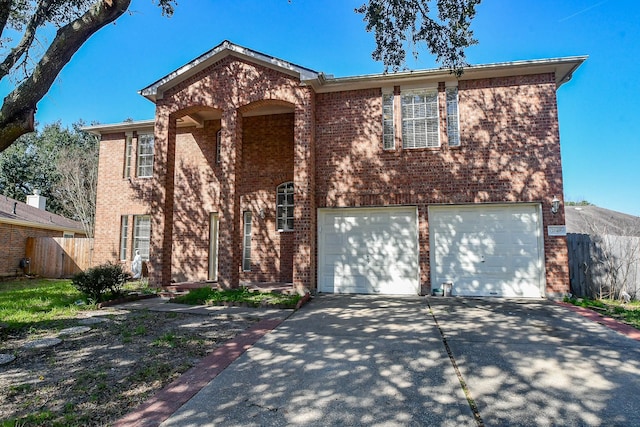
[(233, 83), (266, 104)]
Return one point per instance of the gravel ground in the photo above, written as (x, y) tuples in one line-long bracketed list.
[(94, 377)]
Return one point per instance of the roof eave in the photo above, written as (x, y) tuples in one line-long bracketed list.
[(562, 67), (119, 127), (54, 227), (156, 90)]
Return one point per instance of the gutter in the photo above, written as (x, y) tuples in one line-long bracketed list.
[(53, 227)]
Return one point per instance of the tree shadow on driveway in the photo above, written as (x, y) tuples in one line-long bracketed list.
[(341, 360), (533, 362)]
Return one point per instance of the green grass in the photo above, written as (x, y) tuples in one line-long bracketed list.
[(241, 295), (628, 313), (27, 302), (37, 418), (141, 286), (168, 339)]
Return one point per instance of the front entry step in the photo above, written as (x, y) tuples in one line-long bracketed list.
[(175, 290)]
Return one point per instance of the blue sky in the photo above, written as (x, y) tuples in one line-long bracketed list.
[(598, 107)]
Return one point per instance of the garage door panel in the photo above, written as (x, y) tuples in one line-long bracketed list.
[(487, 250), (378, 252), (334, 239), (514, 289)]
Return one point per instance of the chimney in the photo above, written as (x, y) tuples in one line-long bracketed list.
[(36, 200)]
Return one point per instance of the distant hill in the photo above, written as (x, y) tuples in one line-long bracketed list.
[(590, 219)]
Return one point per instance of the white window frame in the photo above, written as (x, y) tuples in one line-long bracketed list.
[(127, 155), (453, 117), (145, 155), (284, 206), (420, 119), (124, 237), (142, 235), (246, 241), (388, 126)]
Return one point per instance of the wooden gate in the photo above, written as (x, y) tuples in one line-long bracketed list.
[(57, 257), (598, 263)]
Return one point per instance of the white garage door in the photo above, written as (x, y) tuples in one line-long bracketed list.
[(487, 250), (368, 250)]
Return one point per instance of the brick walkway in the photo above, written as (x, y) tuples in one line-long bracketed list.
[(171, 398), (610, 323)]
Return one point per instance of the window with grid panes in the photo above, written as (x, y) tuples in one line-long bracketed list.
[(145, 155), (246, 242), (453, 121), (420, 119), (388, 137), (284, 207), (127, 157), (142, 235), (124, 237)]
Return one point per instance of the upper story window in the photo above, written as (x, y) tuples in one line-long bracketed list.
[(127, 156), (453, 119), (420, 119), (284, 207), (145, 155), (388, 129)]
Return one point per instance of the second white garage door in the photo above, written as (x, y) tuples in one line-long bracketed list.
[(368, 250), (487, 250)]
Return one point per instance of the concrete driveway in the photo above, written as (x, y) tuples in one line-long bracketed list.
[(371, 360)]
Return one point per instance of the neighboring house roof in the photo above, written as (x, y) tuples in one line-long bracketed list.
[(129, 126), (562, 67), (19, 213), (596, 220)]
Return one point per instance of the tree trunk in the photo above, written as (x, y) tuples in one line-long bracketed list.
[(19, 107)]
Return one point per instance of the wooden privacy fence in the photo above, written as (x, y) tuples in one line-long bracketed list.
[(605, 263), (57, 257)]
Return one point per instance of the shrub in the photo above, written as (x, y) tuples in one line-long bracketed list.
[(101, 282)]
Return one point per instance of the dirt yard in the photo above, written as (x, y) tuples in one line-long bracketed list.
[(96, 376)]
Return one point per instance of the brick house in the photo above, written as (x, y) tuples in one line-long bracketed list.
[(19, 221), (259, 170)]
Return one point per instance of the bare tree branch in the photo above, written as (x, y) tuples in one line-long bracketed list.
[(78, 170)]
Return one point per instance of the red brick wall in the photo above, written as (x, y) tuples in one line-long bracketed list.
[(509, 152), (267, 161), (13, 241), (243, 94), (197, 178), (117, 196)]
